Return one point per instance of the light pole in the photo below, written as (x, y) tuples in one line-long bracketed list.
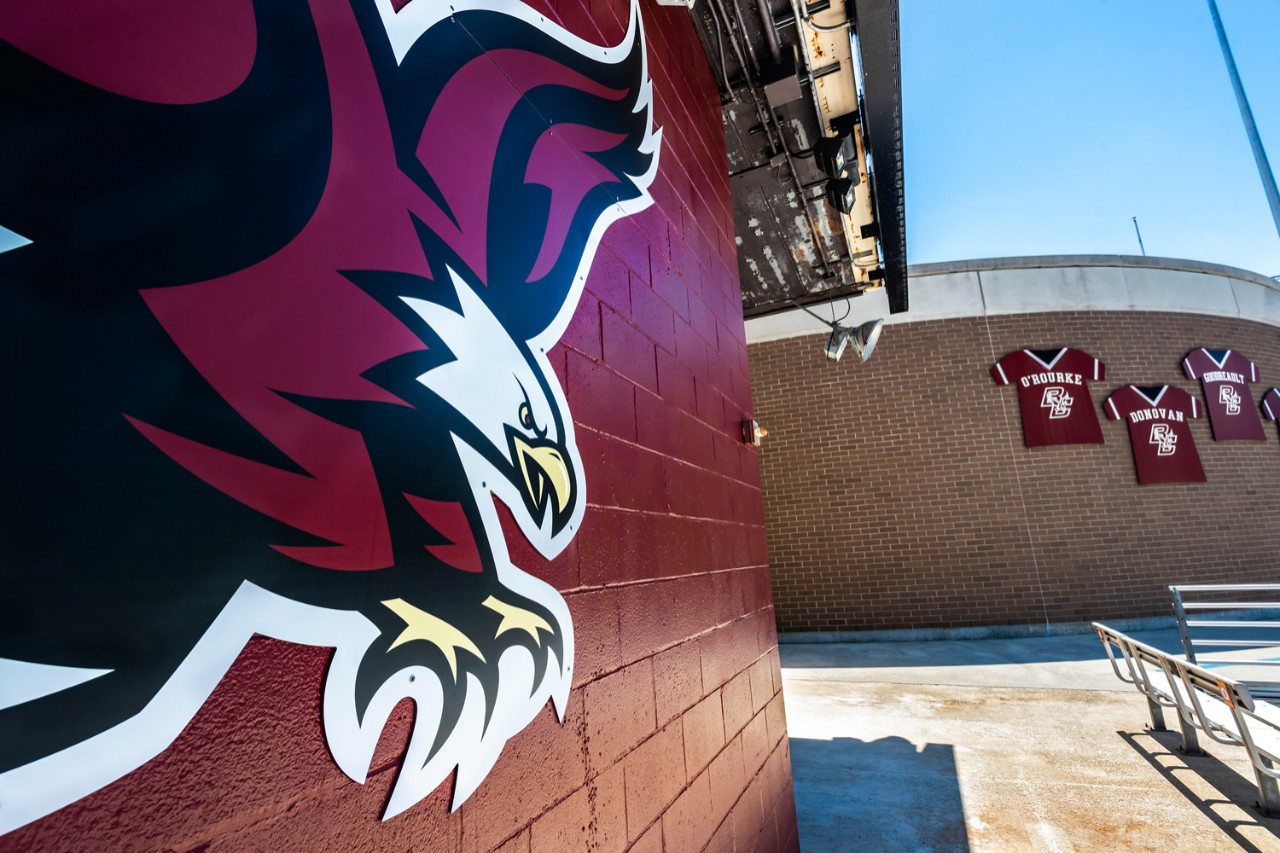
[(1139, 232), (1246, 115)]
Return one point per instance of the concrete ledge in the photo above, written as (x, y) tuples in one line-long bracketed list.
[(1034, 262), (1003, 632), (1004, 286), (973, 632)]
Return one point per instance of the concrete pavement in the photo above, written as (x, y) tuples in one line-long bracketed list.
[(995, 745)]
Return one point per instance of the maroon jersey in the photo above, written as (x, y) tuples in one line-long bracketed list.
[(1056, 406), (1271, 404), (1225, 375), (1163, 448)]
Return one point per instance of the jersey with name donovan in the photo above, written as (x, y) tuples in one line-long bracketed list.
[(1053, 395), (1163, 449)]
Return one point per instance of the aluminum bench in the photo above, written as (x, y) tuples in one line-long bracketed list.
[(1217, 618), (1221, 708)]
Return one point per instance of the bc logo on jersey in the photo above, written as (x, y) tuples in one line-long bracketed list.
[(1057, 401), (1229, 398), (1164, 438)]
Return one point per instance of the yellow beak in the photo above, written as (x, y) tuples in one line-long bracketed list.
[(544, 469)]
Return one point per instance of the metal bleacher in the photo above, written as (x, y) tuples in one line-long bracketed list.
[(1206, 702), (1221, 687), (1215, 620)]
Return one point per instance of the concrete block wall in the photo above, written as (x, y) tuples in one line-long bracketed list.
[(675, 733), (899, 494)]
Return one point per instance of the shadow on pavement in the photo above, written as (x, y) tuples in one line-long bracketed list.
[(976, 652), (886, 794), (1236, 791)]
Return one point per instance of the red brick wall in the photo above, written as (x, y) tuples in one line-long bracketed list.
[(675, 735), (895, 490)]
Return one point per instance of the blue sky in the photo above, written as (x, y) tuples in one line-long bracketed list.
[(1043, 126)]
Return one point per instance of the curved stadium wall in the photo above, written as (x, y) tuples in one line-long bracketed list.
[(899, 493)]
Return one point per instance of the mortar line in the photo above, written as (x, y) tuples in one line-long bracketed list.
[(1013, 454)]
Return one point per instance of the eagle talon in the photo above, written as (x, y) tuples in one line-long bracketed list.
[(420, 625), (517, 619)]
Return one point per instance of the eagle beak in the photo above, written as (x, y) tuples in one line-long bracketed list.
[(544, 470)]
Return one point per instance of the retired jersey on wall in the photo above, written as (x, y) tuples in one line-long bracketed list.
[(1225, 375), (1271, 404), (1056, 406), (1163, 448)]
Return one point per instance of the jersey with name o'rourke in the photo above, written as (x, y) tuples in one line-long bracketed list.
[(1225, 375), (1055, 402), (1163, 448)]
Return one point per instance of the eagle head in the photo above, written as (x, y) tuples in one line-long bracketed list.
[(517, 429)]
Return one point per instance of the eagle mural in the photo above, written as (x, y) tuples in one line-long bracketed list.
[(277, 302)]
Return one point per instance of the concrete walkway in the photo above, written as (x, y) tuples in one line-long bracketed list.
[(995, 745)]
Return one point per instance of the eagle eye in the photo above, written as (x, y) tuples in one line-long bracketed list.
[(526, 416)]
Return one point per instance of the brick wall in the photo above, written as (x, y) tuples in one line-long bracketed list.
[(899, 494), (675, 735)]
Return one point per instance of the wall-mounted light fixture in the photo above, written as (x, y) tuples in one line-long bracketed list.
[(863, 337), (752, 432)]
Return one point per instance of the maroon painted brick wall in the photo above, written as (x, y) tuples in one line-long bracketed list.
[(898, 493), (675, 736)]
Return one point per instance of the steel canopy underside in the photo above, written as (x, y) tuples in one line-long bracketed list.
[(793, 244)]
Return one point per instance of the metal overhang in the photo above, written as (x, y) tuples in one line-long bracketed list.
[(794, 244)]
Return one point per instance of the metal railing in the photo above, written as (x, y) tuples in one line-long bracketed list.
[(1222, 708), (1247, 618)]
